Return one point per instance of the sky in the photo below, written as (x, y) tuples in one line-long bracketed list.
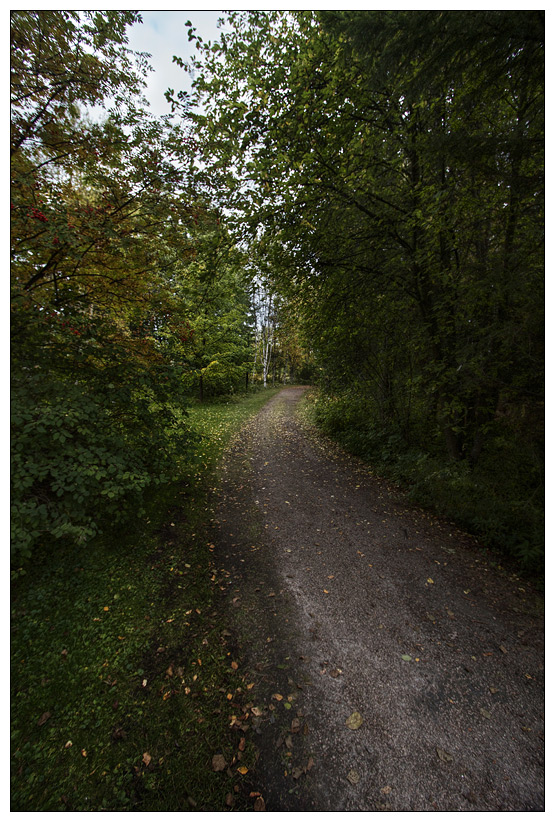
[(163, 34)]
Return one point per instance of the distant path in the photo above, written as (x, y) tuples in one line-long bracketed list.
[(332, 581)]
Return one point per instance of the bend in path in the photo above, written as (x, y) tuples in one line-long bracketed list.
[(345, 602)]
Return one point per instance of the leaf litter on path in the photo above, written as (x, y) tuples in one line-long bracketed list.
[(354, 721)]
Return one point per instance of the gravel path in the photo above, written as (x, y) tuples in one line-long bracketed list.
[(348, 609)]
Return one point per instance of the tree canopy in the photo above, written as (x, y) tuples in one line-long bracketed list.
[(396, 159)]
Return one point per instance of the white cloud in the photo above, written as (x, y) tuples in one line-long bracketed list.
[(163, 34)]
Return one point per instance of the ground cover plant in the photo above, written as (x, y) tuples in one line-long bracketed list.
[(123, 683)]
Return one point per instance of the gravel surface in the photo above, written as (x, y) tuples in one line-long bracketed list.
[(394, 666)]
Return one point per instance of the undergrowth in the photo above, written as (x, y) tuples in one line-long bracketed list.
[(122, 676), (500, 500)]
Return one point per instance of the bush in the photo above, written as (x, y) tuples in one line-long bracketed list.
[(92, 436)]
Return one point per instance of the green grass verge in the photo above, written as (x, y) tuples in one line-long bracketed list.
[(123, 686)]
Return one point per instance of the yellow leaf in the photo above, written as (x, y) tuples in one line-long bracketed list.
[(430, 580), (354, 721), (279, 697), (325, 591), (243, 769)]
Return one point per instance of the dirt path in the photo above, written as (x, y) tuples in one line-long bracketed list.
[(340, 601)]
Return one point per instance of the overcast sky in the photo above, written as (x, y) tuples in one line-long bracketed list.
[(163, 34)]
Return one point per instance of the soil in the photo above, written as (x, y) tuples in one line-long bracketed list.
[(343, 601)]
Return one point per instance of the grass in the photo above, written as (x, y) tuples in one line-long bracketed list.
[(124, 681)]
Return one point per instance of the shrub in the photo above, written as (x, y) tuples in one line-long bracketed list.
[(91, 437)]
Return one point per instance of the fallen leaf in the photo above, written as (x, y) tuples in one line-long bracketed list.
[(234, 665), (326, 592), (485, 713), (257, 711), (503, 649), (430, 580), (44, 718), (353, 777), (295, 726), (494, 690), (242, 743), (279, 697), (243, 769), (147, 759), (287, 706), (218, 762), (259, 804), (407, 657), (297, 772), (386, 790), (443, 755), (229, 800), (354, 721)]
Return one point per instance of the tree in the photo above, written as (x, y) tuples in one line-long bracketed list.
[(100, 216), (397, 156)]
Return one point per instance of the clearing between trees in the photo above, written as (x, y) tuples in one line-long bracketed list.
[(397, 668)]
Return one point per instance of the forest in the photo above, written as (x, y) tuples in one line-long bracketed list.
[(348, 199), (351, 201)]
